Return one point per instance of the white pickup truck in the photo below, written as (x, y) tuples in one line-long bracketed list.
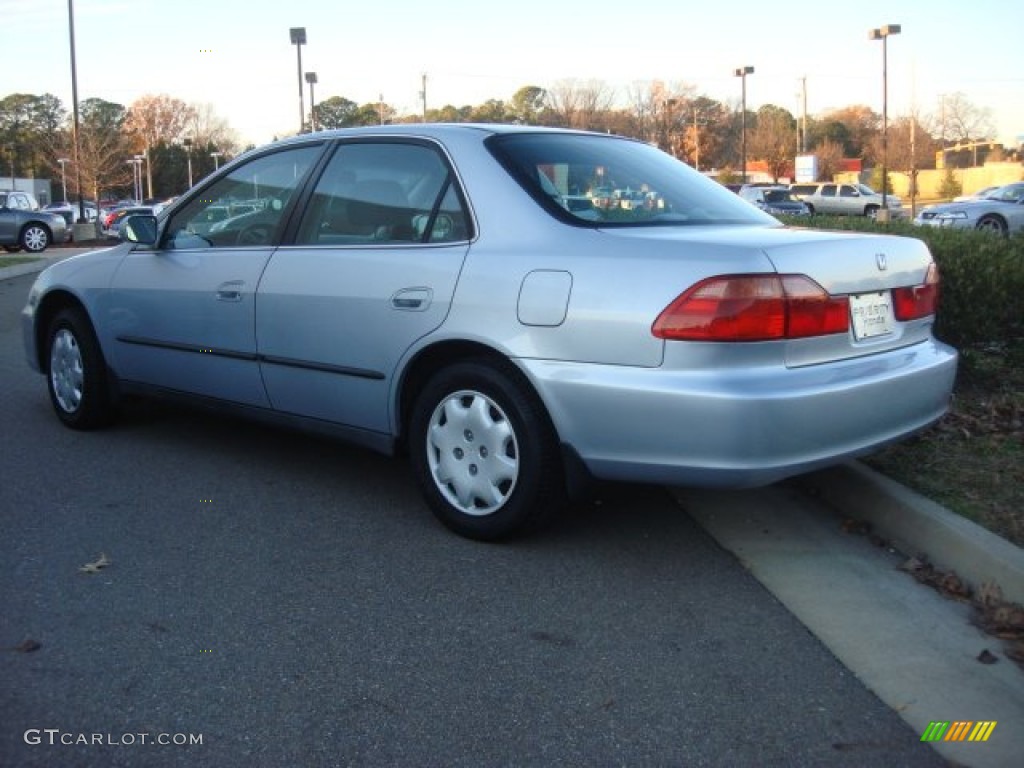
[(845, 199)]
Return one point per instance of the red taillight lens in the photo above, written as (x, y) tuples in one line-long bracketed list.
[(917, 301), (752, 308)]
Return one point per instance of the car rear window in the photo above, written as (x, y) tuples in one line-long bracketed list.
[(608, 181)]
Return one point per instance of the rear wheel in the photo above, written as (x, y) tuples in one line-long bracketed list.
[(35, 238), (484, 452), (810, 209), (992, 224), (76, 373), (871, 211)]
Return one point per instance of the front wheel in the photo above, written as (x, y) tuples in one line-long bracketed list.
[(35, 238), (871, 211), (76, 372), (484, 452), (992, 224)]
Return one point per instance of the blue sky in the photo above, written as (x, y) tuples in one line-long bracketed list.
[(236, 54)]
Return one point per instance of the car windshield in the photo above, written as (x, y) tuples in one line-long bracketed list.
[(1011, 193), (779, 196), (864, 189), (609, 181)]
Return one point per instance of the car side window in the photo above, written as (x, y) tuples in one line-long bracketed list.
[(828, 190), (847, 191), (381, 193), (244, 208)]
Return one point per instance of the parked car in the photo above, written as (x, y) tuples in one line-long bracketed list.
[(70, 211), (1001, 212), (431, 289), (979, 195), (111, 225), (845, 199), (24, 226), (774, 200)]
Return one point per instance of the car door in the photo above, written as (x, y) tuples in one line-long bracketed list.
[(373, 268), (828, 200), (183, 314)]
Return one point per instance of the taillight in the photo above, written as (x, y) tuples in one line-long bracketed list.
[(917, 301), (753, 308)]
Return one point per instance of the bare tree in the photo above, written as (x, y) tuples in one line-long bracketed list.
[(960, 120), (830, 157)]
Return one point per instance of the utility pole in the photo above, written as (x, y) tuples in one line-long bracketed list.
[(423, 96), (803, 116)]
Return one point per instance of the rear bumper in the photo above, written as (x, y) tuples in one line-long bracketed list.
[(745, 427)]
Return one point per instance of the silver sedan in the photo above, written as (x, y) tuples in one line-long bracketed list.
[(1001, 211), (518, 309)]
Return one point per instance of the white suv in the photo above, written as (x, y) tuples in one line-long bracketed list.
[(845, 199)]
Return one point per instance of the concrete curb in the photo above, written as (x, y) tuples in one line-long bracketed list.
[(918, 526)]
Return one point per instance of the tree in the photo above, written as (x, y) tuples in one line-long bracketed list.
[(580, 105), (491, 111), (773, 139), (830, 155), (336, 112), (527, 105), (29, 127), (157, 119), (853, 127), (960, 120)]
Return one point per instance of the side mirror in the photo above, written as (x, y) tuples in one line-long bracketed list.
[(140, 229)]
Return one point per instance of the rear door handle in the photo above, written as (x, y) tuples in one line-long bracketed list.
[(412, 299)]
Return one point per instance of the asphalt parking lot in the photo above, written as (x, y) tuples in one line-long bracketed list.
[(289, 601)]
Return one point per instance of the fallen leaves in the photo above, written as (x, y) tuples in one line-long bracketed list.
[(97, 565), (993, 614)]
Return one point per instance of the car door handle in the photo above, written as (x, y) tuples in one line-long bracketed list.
[(412, 299), (230, 291)]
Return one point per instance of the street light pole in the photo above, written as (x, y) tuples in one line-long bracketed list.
[(74, 98), (216, 159), (882, 33), (298, 37), (187, 141), (311, 79), (742, 73), (64, 176), (137, 160)]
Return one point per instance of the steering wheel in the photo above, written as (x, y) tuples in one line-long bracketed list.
[(257, 234)]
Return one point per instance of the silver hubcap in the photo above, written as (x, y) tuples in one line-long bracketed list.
[(472, 452), (66, 373), (990, 224), (35, 239)]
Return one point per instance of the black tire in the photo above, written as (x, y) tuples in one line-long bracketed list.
[(810, 209), (871, 211), (35, 238), (76, 373), (993, 224), (484, 452)]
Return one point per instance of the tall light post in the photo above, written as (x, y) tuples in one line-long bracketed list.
[(298, 36), (216, 159), (187, 141), (311, 79), (64, 176), (882, 33), (742, 73), (74, 100), (137, 160)]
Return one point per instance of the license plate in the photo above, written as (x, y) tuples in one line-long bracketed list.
[(872, 315)]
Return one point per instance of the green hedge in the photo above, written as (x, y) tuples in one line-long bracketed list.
[(982, 298)]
